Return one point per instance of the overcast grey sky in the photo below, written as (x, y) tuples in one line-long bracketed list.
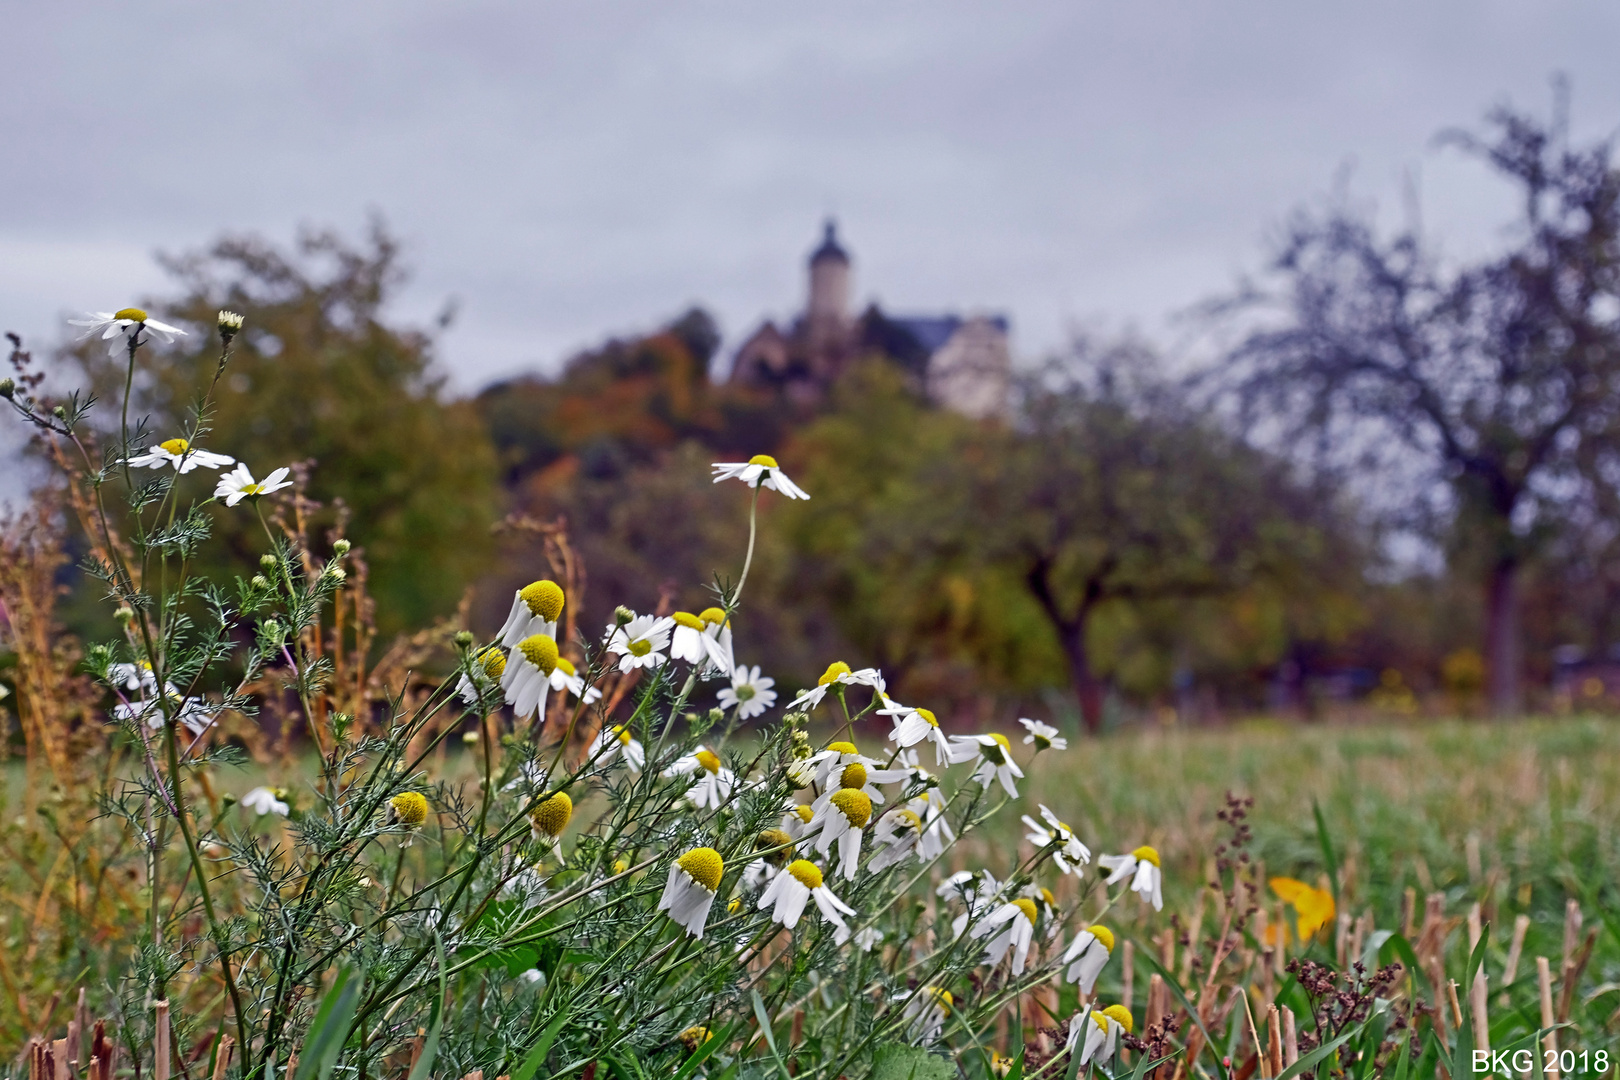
[(570, 170)]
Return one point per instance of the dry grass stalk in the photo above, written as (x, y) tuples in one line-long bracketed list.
[(1521, 925), (1550, 1041), (161, 1052)]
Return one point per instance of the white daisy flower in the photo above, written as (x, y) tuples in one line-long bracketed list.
[(715, 781), (179, 453), (527, 677), (757, 874), (912, 726), (840, 820), (566, 677), (693, 880), (757, 470), (535, 610), (1016, 922), (894, 838), (1142, 867), (937, 834), (796, 822), (1071, 854), (868, 939), (1102, 1029), (838, 674), (613, 741), (703, 639), (133, 677), (994, 754), (749, 693), (978, 897), (926, 1007), (799, 882), (238, 484), (530, 779), (861, 774), (640, 642), (125, 328), (263, 800), (1086, 956), (1043, 736)]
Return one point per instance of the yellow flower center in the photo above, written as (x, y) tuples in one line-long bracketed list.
[(544, 598), (693, 1037), (133, 314), (805, 813), (854, 805), (688, 620), (541, 651), (734, 905), (1027, 906), (565, 667), (908, 819), (1121, 1014), (745, 692), (805, 873), (175, 446), (551, 816), (708, 760), (252, 489), (834, 669), (1048, 899), (928, 716), (854, 776), (996, 752), (763, 459), (1104, 935), (704, 865), (622, 733), (493, 662), (640, 647), (1147, 854), (713, 616), (776, 838), (410, 807), (620, 865), (939, 996), (843, 747)]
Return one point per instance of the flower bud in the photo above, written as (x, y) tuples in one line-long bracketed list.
[(8, 388), (59, 412), (622, 615), (341, 547), (260, 581), (229, 323), (469, 737), (464, 639), (125, 614), (336, 573), (269, 562)]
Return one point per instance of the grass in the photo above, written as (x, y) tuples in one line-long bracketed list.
[(1520, 818)]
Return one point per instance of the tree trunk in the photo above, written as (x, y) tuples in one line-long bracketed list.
[(1088, 688), (1503, 649)]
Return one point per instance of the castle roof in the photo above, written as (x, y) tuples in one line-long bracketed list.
[(830, 248)]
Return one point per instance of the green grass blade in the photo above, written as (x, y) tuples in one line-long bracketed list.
[(330, 1028)]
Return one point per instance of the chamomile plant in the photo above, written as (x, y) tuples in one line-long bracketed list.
[(635, 860)]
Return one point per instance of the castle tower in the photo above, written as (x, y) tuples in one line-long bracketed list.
[(827, 315)]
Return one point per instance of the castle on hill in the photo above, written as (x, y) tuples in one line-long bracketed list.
[(960, 363)]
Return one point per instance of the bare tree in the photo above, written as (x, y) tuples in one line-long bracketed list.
[(1115, 490), (1502, 378)]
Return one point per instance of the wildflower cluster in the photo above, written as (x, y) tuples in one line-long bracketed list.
[(636, 860)]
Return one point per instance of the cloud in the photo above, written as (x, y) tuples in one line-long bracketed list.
[(574, 169)]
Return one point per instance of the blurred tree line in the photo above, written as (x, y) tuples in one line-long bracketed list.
[(1222, 540)]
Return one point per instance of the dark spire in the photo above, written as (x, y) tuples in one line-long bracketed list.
[(830, 248)]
